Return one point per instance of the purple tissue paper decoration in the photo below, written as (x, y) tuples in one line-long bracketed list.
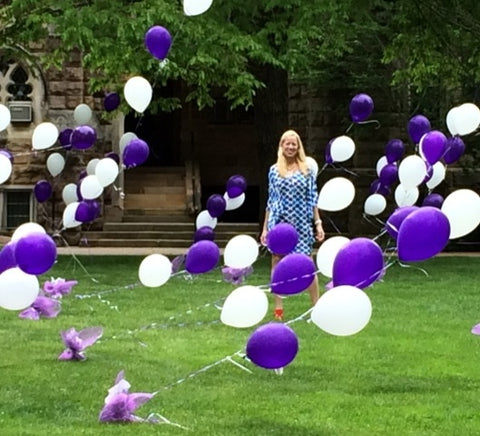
[(57, 288), (417, 127), (236, 186), (476, 329), (272, 346), (135, 153), (282, 239), (177, 263), (202, 256), (42, 306), (111, 101), (293, 274), (158, 41), (77, 342), (236, 276), (120, 404), (361, 107)]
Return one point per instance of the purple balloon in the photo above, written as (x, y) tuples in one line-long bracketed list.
[(429, 169), (395, 220), (202, 256), (82, 175), (388, 174), (236, 186), (87, 210), (417, 127), (42, 190), (434, 200), (394, 150), (433, 146), (282, 239), (114, 156), (272, 346), (7, 153), (135, 153), (328, 152), (204, 233), (7, 256), (454, 150), (65, 138), (376, 187), (158, 41), (35, 253), (293, 274), (216, 205), (83, 137), (111, 101), (361, 107), (423, 234), (358, 263)]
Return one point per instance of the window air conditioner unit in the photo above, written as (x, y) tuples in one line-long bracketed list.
[(20, 111)]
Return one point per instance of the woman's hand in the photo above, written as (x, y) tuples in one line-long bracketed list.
[(319, 233), (263, 238)]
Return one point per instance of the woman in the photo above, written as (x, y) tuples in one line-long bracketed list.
[(292, 198)]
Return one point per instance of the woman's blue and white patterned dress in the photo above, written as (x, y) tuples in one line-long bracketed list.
[(291, 199)]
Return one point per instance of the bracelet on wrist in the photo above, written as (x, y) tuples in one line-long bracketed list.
[(319, 221)]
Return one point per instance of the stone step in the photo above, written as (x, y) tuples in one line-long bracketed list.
[(140, 201), (156, 216), (172, 243)]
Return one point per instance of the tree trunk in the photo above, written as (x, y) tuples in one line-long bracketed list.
[(271, 120)]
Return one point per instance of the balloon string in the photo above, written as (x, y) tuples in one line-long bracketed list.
[(376, 122), (379, 235), (333, 225), (349, 128), (403, 265)]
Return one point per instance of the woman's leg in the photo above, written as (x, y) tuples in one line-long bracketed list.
[(278, 303)]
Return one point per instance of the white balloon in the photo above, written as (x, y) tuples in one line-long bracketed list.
[(82, 114), (125, 139), (68, 216), (44, 136), (342, 148), (91, 165), (155, 270), (196, 7), (234, 203), (406, 197), (241, 251), (412, 171), (374, 204), (18, 290), (438, 175), (69, 193), (342, 311), (106, 171), (313, 165), (5, 117), (462, 208), (204, 219), (138, 93), (467, 118), (327, 252), (25, 229), (451, 118), (244, 307), (55, 164), (381, 162), (336, 194), (90, 187), (5, 168)]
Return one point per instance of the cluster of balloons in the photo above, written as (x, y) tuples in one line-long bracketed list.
[(29, 253)]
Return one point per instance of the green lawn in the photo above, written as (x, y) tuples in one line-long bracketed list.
[(414, 370)]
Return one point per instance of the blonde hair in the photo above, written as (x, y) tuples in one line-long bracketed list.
[(300, 157)]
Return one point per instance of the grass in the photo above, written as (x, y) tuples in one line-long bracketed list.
[(414, 370)]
